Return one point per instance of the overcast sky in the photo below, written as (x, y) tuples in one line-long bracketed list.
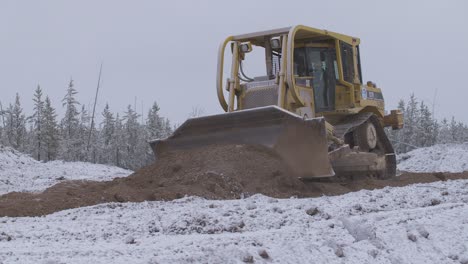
[(165, 51)]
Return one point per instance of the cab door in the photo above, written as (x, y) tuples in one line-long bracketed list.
[(321, 66)]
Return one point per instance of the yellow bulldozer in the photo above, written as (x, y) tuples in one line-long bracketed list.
[(308, 104)]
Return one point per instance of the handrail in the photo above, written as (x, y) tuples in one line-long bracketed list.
[(233, 81), (282, 74), (219, 74), (290, 66)]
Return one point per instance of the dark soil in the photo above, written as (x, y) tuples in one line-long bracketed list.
[(214, 172)]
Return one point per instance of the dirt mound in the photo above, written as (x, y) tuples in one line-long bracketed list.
[(214, 172)]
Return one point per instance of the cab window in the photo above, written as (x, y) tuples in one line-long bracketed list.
[(347, 61), (315, 67)]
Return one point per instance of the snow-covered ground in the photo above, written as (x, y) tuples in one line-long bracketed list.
[(438, 158), (20, 172), (423, 223)]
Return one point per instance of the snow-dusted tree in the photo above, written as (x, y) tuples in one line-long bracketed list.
[(82, 153), (451, 132), (167, 131), (118, 142), (457, 131), (37, 120), (16, 125), (154, 123), (157, 126), (133, 139), (106, 135), (410, 123), (426, 132), (122, 142), (70, 125), (108, 125), (419, 130), (2, 125), (50, 135), (444, 135)]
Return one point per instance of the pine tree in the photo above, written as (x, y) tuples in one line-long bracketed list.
[(411, 117), (132, 137), (420, 128), (456, 131), (106, 136), (2, 126), (154, 123), (118, 142), (37, 118), (50, 131), (70, 125), (82, 153), (425, 131), (167, 131), (108, 125), (122, 142), (444, 132), (16, 125)]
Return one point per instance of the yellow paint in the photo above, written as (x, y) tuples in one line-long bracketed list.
[(348, 97)]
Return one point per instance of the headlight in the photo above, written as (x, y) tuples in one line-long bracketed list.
[(275, 42), (246, 47)]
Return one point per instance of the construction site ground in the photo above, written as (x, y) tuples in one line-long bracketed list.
[(212, 172)]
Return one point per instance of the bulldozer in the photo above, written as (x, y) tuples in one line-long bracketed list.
[(308, 104)]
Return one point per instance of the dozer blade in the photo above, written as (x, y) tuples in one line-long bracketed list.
[(300, 143)]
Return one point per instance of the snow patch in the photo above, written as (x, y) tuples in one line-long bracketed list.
[(438, 158), (19, 172)]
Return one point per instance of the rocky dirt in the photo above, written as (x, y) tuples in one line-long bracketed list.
[(214, 172)]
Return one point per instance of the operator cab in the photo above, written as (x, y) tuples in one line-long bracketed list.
[(307, 71), (315, 67)]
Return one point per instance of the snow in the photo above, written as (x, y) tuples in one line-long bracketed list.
[(438, 158), (420, 223), (20, 172), (390, 225)]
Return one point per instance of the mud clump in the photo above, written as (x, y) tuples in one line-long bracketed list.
[(212, 172)]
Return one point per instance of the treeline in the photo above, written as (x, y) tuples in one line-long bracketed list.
[(116, 139), (122, 140), (421, 129)]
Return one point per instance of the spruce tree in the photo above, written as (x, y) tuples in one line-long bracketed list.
[(70, 125), (118, 142), (50, 131), (3, 125), (108, 125), (16, 125), (82, 153), (106, 136), (37, 119), (132, 137), (167, 131)]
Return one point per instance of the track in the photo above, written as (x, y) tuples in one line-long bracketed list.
[(378, 163)]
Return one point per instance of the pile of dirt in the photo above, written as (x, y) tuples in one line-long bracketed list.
[(213, 172)]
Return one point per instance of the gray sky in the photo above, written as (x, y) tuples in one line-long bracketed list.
[(166, 50)]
